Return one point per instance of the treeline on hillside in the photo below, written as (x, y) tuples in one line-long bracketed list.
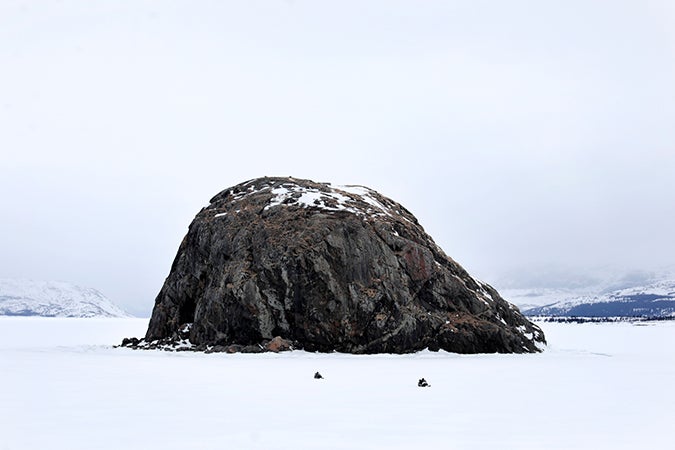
[(575, 319)]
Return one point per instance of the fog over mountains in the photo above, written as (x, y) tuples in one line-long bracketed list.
[(22, 297), (594, 294)]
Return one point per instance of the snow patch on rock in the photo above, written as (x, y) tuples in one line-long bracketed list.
[(354, 199)]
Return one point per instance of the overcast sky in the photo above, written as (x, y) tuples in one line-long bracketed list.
[(522, 134)]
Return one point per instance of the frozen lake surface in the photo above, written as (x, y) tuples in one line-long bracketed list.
[(597, 386)]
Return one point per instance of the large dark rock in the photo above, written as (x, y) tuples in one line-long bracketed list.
[(327, 269)]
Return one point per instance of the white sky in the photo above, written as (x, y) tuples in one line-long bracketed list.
[(523, 134)]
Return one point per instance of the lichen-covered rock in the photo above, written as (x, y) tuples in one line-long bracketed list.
[(327, 268)]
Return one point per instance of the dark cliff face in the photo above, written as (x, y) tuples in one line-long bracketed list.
[(331, 269)]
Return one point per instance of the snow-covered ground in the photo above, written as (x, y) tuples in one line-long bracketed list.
[(62, 386)]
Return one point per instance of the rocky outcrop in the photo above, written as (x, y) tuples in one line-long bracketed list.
[(292, 263)]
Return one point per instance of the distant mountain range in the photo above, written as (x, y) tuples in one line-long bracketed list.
[(650, 298), (655, 299), (20, 297)]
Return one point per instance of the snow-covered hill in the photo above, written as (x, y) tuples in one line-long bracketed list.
[(656, 299), (19, 297)]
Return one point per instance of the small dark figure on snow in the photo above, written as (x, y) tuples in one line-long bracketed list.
[(318, 376), (423, 383)]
